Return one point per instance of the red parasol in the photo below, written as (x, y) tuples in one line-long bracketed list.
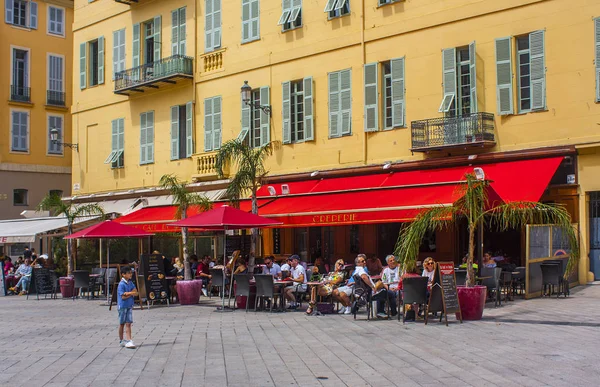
[(225, 218), (109, 229)]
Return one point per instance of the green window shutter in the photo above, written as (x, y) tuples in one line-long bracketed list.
[(398, 89), (371, 80), (189, 129), (286, 10), (334, 104), (309, 115), (9, 11), (175, 32), (504, 87), (265, 119), (448, 78), (346, 101), (208, 124), (538, 70), (473, 76), (245, 20), (217, 23), (217, 122), (254, 20), (597, 41), (182, 31), (157, 39), (245, 122), (329, 6), (174, 132), (143, 138), (135, 55), (115, 135), (82, 64), (208, 25), (150, 137), (286, 113), (101, 60), (121, 134), (33, 15)]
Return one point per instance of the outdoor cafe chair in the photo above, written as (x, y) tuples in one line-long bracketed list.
[(551, 279), (82, 281), (242, 288), (414, 291), (101, 279), (564, 284), (461, 277), (265, 289), (518, 284), (362, 296), (216, 281), (492, 282)]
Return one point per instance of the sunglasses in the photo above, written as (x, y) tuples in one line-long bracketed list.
[(429, 263)]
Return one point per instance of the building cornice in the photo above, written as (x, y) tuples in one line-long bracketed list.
[(34, 168)]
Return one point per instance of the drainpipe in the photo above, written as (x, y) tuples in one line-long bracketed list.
[(363, 57), (196, 66)]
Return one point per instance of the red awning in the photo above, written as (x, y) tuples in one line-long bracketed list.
[(109, 229), (154, 219)]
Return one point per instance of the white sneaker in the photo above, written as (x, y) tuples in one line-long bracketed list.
[(348, 310), (130, 344), (204, 293), (122, 342), (342, 310)]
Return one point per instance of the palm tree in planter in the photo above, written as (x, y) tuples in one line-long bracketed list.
[(56, 206), (248, 177), (478, 211), (184, 199)]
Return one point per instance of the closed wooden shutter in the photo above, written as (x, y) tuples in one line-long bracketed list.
[(371, 81), (504, 88), (208, 125), (189, 129), (538, 70), (473, 76), (286, 113), (101, 60), (597, 45), (448, 79), (334, 105), (265, 119), (309, 117), (174, 132), (398, 90), (217, 122), (346, 101), (82, 65)]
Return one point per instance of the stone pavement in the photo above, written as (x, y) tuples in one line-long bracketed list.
[(542, 342)]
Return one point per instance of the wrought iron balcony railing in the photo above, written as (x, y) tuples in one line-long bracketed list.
[(476, 129), (151, 75), (55, 98), (20, 94)]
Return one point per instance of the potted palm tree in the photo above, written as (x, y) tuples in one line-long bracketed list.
[(187, 290), (250, 170), (478, 211), (57, 206)]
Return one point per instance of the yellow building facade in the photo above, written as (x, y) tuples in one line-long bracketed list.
[(36, 44), (351, 85)]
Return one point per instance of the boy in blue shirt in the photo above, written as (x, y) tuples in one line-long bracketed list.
[(125, 297)]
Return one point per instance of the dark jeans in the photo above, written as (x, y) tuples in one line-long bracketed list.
[(391, 297)]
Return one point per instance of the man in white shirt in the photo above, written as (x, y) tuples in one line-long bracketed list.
[(272, 268), (377, 295), (391, 279), (287, 265), (299, 277)]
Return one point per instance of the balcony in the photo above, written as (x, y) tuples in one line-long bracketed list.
[(212, 61), (55, 98), (153, 75), (20, 94), (474, 130), (205, 167)]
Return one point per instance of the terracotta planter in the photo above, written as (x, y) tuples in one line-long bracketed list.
[(472, 301), (189, 291)]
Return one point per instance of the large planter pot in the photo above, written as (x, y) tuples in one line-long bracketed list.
[(189, 291), (67, 287), (472, 301)]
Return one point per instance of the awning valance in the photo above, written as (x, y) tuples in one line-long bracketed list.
[(26, 230)]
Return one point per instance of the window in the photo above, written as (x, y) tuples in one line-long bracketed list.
[(392, 95), (178, 33), (118, 52), (291, 15), (19, 131), (149, 46), (56, 20), (340, 103), (212, 25), (20, 197), (147, 138), (212, 123), (55, 95), (337, 8), (55, 122), (56, 192), (22, 13), (459, 81), (524, 71), (182, 140), (117, 154), (256, 124), (19, 90), (384, 2), (387, 95), (91, 63), (250, 20), (298, 122)]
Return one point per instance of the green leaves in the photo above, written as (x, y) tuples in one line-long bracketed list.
[(182, 198)]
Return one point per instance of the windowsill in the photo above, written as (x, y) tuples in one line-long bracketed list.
[(20, 103), (19, 152), (212, 50), (291, 29), (522, 113), (22, 28), (251, 41), (394, 127), (114, 168), (329, 18), (20, 205), (55, 154), (55, 35), (343, 135), (148, 163), (386, 4), (57, 107)]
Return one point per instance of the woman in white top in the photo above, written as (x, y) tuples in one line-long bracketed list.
[(428, 269)]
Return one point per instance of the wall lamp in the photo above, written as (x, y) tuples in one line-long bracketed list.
[(54, 139), (247, 99)]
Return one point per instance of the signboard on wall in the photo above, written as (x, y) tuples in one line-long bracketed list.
[(277, 241)]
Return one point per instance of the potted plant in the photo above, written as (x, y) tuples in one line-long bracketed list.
[(478, 211), (189, 289)]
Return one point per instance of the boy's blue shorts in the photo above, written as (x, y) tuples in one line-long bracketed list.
[(125, 316)]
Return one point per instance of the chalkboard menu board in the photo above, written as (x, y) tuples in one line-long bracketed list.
[(443, 296), (43, 281), (2, 280), (276, 241), (152, 269), (238, 242)]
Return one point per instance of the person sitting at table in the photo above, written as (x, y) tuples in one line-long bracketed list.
[(177, 266), (8, 266), (299, 278), (428, 270), (193, 263), (343, 293), (287, 265), (23, 273), (377, 295), (241, 267), (320, 266), (203, 273), (391, 280), (488, 261), (19, 262), (329, 283), (374, 265), (271, 267)]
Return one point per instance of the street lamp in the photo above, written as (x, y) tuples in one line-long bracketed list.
[(247, 96), (54, 138)]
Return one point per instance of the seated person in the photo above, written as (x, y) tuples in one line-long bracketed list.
[(320, 266), (343, 293), (299, 278), (380, 295), (194, 263), (271, 267), (23, 273), (391, 280), (329, 283), (203, 273), (287, 266), (428, 270), (374, 266), (241, 267), (8, 266), (488, 261)]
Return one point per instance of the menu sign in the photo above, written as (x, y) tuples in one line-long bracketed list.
[(443, 296), (238, 242), (2, 280), (42, 281), (153, 270), (276, 241)]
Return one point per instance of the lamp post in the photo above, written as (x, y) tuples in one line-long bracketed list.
[(54, 138), (246, 91)]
